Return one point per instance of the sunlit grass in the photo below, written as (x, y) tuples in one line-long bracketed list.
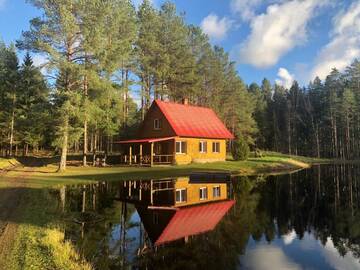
[(7, 162), (40, 243)]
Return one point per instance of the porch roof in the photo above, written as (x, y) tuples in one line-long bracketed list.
[(147, 140)]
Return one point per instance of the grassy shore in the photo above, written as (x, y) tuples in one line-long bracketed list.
[(270, 163)]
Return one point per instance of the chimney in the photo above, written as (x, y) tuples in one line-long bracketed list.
[(185, 101)]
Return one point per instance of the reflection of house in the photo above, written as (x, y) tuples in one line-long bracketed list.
[(173, 192), (178, 134), (172, 209)]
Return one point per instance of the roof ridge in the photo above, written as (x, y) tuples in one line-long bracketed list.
[(185, 105)]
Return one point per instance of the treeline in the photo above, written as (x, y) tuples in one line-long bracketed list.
[(320, 120), (102, 56)]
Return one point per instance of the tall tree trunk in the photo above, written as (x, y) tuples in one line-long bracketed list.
[(85, 146), (64, 149), (317, 141), (11, 139)]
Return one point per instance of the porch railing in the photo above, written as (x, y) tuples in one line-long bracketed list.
[(145, 159), (163, 159)]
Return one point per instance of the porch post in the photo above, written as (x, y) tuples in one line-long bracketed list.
[(152, 155), (130, 155), (141, 153), (174, 153)]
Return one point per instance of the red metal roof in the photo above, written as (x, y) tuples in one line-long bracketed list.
[(194, 121), (148, 140), (194, 220)]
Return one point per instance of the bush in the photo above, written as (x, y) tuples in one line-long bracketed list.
[(240, 149)]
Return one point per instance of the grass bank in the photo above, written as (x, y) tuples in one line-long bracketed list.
[(270, 163), (8, 163), (39, 242)]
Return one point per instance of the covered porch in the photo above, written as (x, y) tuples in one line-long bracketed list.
[(148, 152)]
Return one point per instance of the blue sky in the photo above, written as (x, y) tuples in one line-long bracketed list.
[(282, 40)]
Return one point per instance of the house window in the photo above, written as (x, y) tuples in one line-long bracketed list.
[(202, 146), (216, 147), (216, 192), (203, 193), (180, 147), (180, 195), (157, 123)]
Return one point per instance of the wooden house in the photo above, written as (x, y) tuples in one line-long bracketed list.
[(174, 133)]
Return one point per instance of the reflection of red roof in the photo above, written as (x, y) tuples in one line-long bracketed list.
[(193, 121), (194, 220)]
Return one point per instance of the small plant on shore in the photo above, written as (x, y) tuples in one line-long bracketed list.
[(240, 149)]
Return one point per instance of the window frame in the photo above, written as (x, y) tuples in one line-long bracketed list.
[(217, 195), (158, 126), (214, 148), (202, 147), (201, 192), (183, 199), (182, 148)]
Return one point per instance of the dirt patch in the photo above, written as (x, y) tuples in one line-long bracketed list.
[(10, 202)]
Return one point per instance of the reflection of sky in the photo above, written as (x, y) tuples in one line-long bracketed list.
[(288, 252), (132, 237)]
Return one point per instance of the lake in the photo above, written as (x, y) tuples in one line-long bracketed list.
[(305, 220)]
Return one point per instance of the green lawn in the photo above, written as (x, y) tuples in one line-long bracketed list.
[(269, 164)]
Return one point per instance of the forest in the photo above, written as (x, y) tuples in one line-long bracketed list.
[(106, 61)]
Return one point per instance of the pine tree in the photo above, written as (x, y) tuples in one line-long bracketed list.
[(33, 103)]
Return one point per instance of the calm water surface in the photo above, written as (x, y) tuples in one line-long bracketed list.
[(306, 220)]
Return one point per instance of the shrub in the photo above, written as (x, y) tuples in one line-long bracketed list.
[(240, 149)]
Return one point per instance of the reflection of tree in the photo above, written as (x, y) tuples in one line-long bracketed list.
[(92, 216), (322, 200)]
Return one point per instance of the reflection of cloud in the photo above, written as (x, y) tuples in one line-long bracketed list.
[(289, 238), (334, 259), (267, 257)]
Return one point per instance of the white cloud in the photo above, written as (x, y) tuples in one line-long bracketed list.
[(215, 27), (137, 3), (275, 32), (285, 78), (39, 60), (246, 8), (344, 45)]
